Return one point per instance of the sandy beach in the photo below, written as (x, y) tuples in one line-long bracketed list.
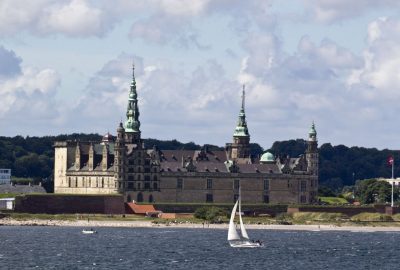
[(149, 224)]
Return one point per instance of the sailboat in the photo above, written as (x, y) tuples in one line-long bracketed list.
[(234, 239)]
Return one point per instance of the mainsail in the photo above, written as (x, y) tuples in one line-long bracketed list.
[(232, 233)]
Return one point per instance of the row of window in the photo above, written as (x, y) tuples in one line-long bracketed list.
[(139, 170), (209, 184), (89, 182), (139, 177), (138, 186)]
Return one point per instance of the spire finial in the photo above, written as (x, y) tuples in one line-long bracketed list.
[(243, 96)]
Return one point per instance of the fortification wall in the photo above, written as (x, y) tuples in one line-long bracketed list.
[(69, 204)]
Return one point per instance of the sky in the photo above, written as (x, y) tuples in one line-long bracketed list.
[(65, 67)]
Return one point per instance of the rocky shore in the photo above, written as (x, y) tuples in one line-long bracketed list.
[(149, 224)]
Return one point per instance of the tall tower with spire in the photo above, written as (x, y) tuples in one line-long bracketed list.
[(240, 148), (132, 123), (312, 151)]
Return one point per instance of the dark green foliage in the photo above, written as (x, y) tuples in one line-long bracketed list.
[(256, 150), (292, 148), (211, 214), (341, 165), (324, 191), (373, 191)]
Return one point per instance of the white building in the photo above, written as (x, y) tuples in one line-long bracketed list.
[(7, 203), (5, 176), (396, 181)]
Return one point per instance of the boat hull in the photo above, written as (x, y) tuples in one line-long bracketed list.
[(244, 244), (88, 232)]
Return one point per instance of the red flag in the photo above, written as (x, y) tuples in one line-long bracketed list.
[(390, 160)]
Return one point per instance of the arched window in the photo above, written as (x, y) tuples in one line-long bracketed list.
[(140, 197), (151, 198), (155, 178)]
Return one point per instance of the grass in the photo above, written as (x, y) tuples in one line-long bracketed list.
[(371, 217), (333, 200), (8, 195)]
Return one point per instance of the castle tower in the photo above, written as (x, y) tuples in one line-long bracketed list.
[(119, 157), (240, 148), (132, 123), (312, 151)]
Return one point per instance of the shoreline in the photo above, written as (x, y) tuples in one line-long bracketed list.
[(149, 224)]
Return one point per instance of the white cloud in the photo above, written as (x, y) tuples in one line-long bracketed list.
[(328, 11), (379, 78), (75, 18), (27, 102)]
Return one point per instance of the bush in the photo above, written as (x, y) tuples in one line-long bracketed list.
[(211, 214)]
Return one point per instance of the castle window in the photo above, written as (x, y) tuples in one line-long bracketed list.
[(209, 198), (266, 198), (236, 184), (155, 186), (139, 177), (266, 184), (179, 183), (146, 169), (303, 186), (303, 199), (146, 185), (155, 178), (130, 170), (209, 183), (130, 177), (147, 178), (147, 162), (140, 197), (130, 185)]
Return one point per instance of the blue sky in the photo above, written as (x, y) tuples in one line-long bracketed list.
[(65, 67)]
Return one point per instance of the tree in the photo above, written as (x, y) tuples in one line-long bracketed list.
[(373, 191)]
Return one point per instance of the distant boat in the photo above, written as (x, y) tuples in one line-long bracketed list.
[(243, 240), (91, 231)]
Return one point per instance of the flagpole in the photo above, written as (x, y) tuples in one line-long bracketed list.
[(392, 181)]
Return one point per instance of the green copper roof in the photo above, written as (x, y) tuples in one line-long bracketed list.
[(267, 157), (241, 128), (312, 130), (132, 123)]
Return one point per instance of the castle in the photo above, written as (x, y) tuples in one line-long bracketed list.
[(123, 165)]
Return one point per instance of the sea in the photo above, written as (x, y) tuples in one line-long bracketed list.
[(178, 248)]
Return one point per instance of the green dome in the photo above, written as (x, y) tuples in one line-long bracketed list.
[(267, 157), (312, 130)]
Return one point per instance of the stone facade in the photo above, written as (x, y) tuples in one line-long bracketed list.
[(123, 165)]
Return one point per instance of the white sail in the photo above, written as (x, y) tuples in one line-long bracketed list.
[(232, 233), (242, 228)]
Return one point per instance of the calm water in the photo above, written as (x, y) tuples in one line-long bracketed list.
[(169, 248)]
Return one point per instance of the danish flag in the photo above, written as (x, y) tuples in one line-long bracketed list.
[(390, 160)]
